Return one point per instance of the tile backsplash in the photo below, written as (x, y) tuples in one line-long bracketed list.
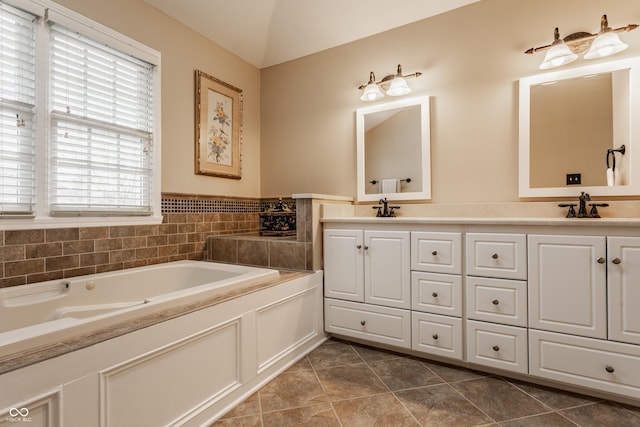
[(30, 256)]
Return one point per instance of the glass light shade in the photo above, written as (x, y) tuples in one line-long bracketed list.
[(604, 45), (371, 93), (398, 87), (559, 54)]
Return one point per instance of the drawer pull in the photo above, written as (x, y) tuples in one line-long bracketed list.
[(434, 294), (434, 253), (616, 261), (495, 348), (601, 260), (494, 256), (609, 369), (495, 302), (434, 336), (359, 247), (363, 322)]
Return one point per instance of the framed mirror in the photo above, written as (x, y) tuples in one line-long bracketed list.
[(576, 131), (394, 150)]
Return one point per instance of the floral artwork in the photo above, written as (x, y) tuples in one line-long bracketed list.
[(218, 127), (219, 135)]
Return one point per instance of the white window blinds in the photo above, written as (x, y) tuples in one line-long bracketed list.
[(17, 103), (101, 138)]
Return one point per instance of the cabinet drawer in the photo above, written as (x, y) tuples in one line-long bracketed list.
[(586, 362), (499, 346), (436, 293), (369, 322), (497, 255), (435, 334), (436, 252), (497, 300)]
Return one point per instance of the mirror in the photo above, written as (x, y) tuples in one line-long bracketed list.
[(393, 150), (570, 123)]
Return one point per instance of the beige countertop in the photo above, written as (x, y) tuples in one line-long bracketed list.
[(572, 222)]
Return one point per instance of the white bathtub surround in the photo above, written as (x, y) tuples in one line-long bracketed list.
[(185, 362)]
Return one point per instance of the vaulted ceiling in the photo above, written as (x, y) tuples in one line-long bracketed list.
[(269, 32)]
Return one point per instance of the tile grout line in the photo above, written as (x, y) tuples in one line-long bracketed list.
[(313, 368)]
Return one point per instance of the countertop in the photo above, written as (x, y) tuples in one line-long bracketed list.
[(537, 221)]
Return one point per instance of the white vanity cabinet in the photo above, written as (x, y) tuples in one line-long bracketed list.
[(567, 284), (583, 296), (496, 302), (436, 293), (368, 284), (368, 266), (557, 301), (623, 288)]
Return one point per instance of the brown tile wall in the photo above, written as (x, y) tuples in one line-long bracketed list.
[(264, 251), (29, 256)]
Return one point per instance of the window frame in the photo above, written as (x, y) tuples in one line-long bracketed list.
[(47, 10)]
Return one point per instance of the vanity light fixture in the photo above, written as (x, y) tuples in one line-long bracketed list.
[(392, 85), (563, 51)]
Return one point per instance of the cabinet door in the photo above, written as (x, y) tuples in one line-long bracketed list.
[(343, 264), (387, 278), (624, 289), (567, 284)]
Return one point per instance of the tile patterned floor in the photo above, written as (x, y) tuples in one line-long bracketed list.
[(346, 384)]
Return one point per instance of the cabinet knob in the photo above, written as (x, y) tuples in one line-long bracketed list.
[(434, 294), (434, 336), (495, 302), (359, 247), (363, 322), (601, 260), (616, 261), (609, 369), (434, 253), (495, 348), (494, 256), (366, 247)]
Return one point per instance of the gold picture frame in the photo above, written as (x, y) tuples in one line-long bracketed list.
[(218, 127)]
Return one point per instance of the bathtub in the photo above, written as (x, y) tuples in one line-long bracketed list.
[(176, 344), (41, 313)]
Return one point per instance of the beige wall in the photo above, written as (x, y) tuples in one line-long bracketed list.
[(471, 59), (184, 51), (299, 117)]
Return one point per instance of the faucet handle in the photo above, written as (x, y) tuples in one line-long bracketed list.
[(572, 212), (593, 213), (379, 210), (391, 210)]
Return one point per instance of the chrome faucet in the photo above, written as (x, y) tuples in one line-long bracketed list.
[(385, 210)]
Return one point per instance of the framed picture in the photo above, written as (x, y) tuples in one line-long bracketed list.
[(218, 127)]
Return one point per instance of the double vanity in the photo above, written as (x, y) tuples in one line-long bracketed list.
[(516, 288), (548, 300)]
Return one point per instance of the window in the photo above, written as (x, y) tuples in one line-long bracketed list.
[(17, 103), (80, 108)]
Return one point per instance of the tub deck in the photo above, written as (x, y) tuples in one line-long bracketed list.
[(37, 354)]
